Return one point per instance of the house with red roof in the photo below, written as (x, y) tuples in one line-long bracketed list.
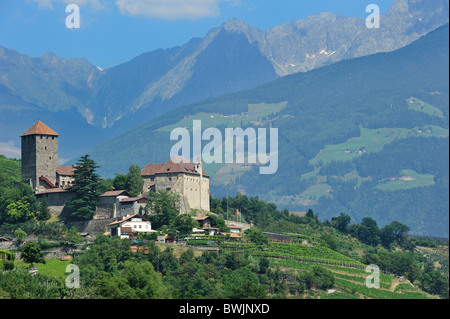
[(130, 226)]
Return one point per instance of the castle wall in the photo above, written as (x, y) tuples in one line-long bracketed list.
[(94, 227), (193, 190), (29, 159), (147, 183), (205, 194), (165, 181), (56, 201), (39, 158), (106, 207), (129, 208)]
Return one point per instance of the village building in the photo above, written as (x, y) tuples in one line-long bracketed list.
[(41, 171), (108, 204), (205, 225), (234, 229), (182, 177), (130, 226), (204, 221)]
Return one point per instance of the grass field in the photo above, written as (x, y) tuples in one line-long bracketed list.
[(52, 267), (317, 191), (421, 106), (409, 179), (373, 141), (256, 114)]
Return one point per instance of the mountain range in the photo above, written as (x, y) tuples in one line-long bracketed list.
[(366, 136), (362, 113), (74, 94)]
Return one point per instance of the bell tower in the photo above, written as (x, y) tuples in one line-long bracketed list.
[(39, 156)]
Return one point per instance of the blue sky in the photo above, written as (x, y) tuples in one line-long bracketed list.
[(115, 31)]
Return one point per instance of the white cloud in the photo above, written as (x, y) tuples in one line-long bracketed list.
[(160, 9), (44, 4), (94, 4), (10, 150), (170, 9)]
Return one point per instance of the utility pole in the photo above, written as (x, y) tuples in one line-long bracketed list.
[(227, 204)]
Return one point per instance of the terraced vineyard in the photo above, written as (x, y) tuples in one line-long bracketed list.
[(309, 253), (350, 283)]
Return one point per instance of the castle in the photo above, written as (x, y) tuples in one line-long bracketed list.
[(181, 176), (40, 167), (41, 171)]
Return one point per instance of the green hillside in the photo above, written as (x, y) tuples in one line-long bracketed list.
[(11, 167), (343, 130)]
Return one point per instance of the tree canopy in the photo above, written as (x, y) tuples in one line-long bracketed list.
[(87, 188)]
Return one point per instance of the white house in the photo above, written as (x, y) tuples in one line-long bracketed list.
[(130, 226), (234, 229)]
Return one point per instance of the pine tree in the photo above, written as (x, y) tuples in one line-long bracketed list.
[(43, 211), (134, 181), (86, 188)]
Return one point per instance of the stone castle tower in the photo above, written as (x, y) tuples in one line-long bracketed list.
[(39, 156)]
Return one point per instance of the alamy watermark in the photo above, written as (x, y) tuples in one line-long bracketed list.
[(373, 20), (373, 280), (73, 280), (73, 19), (213, 152)]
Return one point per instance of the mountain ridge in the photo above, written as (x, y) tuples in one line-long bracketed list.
[(126, 96), (328, 106)]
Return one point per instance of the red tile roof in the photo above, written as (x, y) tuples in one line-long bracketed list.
[(118, 222), (202, 218), (65, 170), (151, 169), (39, 128), (176, 164), (115, 193), (45, 179), (134, 199)]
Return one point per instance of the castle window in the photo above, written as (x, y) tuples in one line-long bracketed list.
[(53, 137), (40, 137), (45, 147)]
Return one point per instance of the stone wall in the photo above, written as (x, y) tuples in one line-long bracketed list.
[(94, 227), (57, 201), (106, 207), (129, 208), (193, 189)]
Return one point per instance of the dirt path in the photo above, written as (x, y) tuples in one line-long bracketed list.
[(395, 282)]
